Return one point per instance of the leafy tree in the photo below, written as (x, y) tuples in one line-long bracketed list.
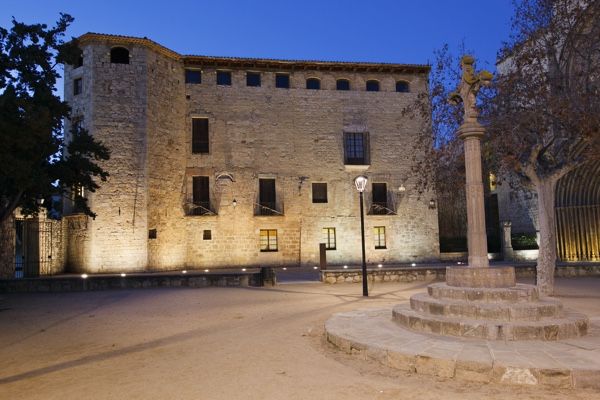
[(35, 161), (545, 118)]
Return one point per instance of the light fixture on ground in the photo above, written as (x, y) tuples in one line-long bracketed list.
[(361, 183)]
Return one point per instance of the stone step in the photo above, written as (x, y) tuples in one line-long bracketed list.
[(517, 293), (501, 311), (570, 326)]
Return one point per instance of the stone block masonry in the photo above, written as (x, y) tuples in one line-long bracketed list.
[(143, 110)]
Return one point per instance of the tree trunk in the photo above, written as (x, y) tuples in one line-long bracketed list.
[(546, 263)]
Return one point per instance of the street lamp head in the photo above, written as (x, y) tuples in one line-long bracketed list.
[(361, 183)]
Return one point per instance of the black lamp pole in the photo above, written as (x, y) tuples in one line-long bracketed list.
[(362, 237)]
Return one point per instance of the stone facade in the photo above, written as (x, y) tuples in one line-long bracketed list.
[(143, 111), (519, 206)]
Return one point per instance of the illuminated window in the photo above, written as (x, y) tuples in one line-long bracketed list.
[(342, 84), (313, 83), (224, 78), (282, 81), (379, 237), (268, 240), (319, 193), (77, 86), (253, 79), (119, 55), (199, 135), (193, 76), (402, 87), (372, 86), (356, 148), (329, 238)]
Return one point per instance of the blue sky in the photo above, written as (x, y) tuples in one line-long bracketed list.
[(400, 31)]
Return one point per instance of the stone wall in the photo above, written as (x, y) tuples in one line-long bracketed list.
[(296, 137), (137, 281), (405, 274)]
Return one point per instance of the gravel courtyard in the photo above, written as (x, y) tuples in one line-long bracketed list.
[(219, 343)]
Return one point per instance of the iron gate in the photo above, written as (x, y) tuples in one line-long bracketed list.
[(33, 248)]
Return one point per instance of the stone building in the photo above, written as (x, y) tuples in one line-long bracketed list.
[(226, 162), (577, 212)]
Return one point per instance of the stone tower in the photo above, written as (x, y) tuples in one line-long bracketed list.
[(119, 93)]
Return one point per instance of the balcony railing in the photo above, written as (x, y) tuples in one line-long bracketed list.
[(199, 208), (267, 208)]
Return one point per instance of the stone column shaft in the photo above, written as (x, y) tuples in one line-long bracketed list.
[(471, 133)]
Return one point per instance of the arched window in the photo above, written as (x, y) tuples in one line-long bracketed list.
[(313, 83), (342, 84), (372, 86), (119, 55), (402, 87)]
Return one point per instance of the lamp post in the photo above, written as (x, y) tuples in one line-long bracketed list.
[(361, 183)]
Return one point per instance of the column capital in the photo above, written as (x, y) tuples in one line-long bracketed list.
[(471, 129)]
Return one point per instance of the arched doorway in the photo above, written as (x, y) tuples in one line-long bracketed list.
[(578, 214)]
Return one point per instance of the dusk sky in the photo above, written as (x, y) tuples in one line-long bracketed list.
[(399, 31)]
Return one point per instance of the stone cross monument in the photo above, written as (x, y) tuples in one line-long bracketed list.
[(471, 133), (479, 301)]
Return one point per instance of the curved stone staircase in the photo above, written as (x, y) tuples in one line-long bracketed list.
[(487, 303)]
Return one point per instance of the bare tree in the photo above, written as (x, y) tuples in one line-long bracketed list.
[(542, 112), (545, 117)]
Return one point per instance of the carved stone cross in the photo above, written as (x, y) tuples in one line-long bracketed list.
[(469, 87)]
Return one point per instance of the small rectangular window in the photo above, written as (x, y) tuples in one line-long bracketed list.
[(152, 234), (342, 84), (282, 81), (356, 148), (267, 197), (372, 86), (79, 61), (199, 135), (268, 240), (206, 234), (200, 196), (329, 238), (379, 204), (77, 86), (193, 76), (319, 193), (224, 78), (253, 79), (379, 237)]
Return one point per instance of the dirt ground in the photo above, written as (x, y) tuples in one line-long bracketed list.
[(219, 343)]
